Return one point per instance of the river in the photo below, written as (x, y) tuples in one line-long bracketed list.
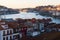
[(25, 15)]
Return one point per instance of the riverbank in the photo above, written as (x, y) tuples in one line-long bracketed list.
[(25, 15), (49, 15)]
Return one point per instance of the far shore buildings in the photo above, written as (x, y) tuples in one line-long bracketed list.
[(4, 10), (49, 10)]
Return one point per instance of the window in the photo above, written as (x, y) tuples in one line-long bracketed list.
[(3, 38), (15, 30), (7, 31), (10, 31), (6, 38), (10, 37), (3, 32)]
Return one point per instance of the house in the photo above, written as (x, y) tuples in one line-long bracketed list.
[(8, 32)]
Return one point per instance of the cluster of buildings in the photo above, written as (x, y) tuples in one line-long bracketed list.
[(14, 29), (27, 10), (52, 27), (48, 8), (51, 10), (4, 10), (45, 10)]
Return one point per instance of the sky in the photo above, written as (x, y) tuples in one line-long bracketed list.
[(27, 3)]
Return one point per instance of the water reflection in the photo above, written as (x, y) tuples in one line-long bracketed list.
[(25, 15)]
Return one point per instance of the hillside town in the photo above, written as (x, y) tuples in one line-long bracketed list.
[(5, 10), (45, 10), (30, 29)]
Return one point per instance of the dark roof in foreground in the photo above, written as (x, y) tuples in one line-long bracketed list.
[(45, 36)]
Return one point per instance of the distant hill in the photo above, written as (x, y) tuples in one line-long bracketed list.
[(5, 10)]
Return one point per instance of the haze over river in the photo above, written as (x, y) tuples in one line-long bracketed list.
[(25, 15)]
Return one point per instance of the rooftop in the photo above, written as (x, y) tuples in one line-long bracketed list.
[(5, 24)]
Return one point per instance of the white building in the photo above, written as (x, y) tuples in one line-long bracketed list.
[(55, 13), (7, 33)]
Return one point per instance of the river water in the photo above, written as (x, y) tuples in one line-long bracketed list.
[(25, 15)]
